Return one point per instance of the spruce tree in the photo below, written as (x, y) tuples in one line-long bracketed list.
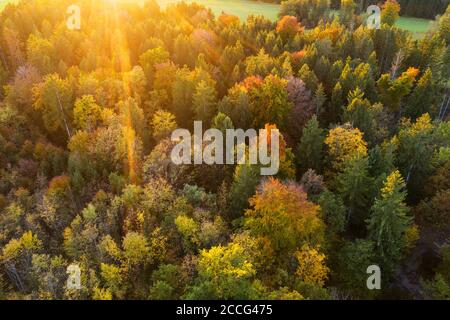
[(389, 221)]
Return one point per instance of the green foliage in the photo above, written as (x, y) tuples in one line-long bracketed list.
[(224, 273), (389, 222), (354, 258), (309, 12), (310, 149), (204, 102), (355, 186), (333, 212), (163, 123)]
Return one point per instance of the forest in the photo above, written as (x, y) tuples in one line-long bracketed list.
[(87, 182)]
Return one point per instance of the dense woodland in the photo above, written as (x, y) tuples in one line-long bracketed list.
[(428, 9), (86, 175)]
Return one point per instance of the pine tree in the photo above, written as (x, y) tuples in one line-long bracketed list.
[(310, 148), (355, 187), (389, 222), (204, 102), (422, 97), (319, 99)]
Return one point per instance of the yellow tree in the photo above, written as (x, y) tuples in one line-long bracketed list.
[(390, 12), (311, 266), (345, 143), (282, 215)]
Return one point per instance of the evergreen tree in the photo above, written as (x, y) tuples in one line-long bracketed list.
[(310, 149), (389, 222)]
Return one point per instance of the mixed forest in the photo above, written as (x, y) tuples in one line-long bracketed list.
[(86, 176)]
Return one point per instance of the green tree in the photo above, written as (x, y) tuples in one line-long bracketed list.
[(53, 97), (224, 273), (222, 122), (270, 103), (163, 123), (353, 260), (392, 91), (444, 25), (87, 113), (333, 212), (355, 187), (389, 222), (423, 97), (204, 102), (310, 148), (347, 11), (149, 59)]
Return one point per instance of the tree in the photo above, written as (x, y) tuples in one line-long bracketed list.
[(135, 249), (423, 97), (204, 102), (444, 26), (40, 54), (150, 59), (390, 12), (347, 11), (188, 228), (319, 98), (163, 123), (393, 90), (245, 180), (308, 12), (312, 184), (288, 26), (344, 143), (53, 97), (282, 214), (224, 273), (303, 107), (236, 105), (353, 260), (438, 287), (269, 102), (416, 143), (308, 77), (361, 114), (311, 266), (87, 113), (333, 212), (310, 149), (389, 222), (166, 282), (17, 258), (222, 122), (355, 186)]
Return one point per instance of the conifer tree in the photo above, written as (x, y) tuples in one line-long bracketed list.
[(389, 222)]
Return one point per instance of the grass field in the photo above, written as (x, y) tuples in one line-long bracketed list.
[(240, 8), (244, 8)]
